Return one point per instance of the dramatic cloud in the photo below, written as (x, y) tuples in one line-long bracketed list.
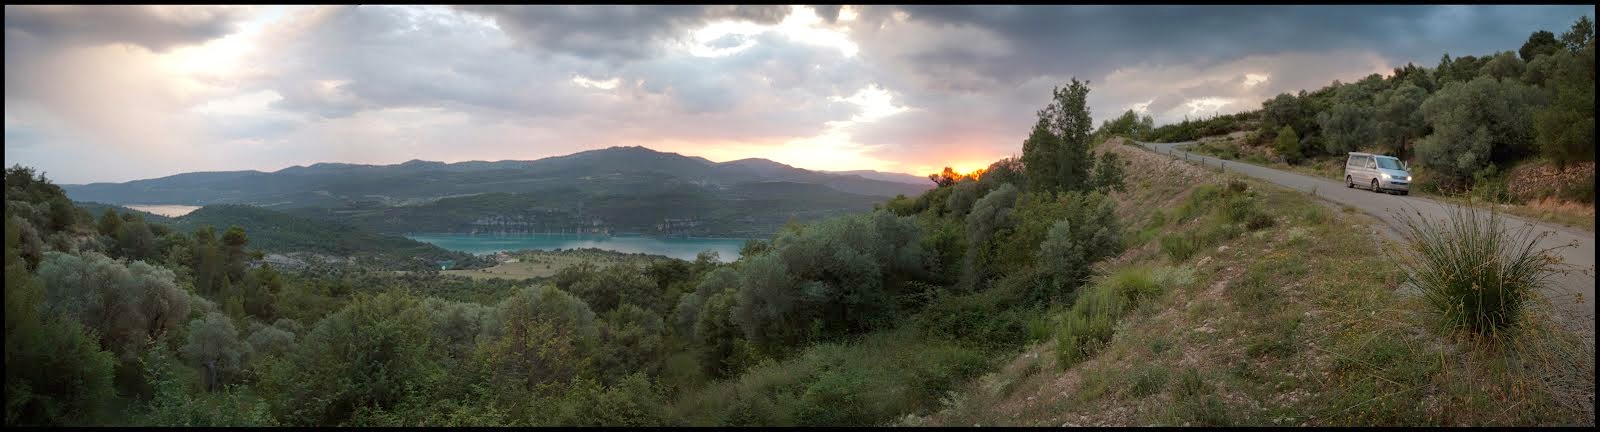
[(113, 93)]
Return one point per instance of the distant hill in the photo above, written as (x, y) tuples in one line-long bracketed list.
[(277, 232), (613, 169), (752, 209), (618, 189)]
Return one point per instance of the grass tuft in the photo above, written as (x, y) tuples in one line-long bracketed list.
[(1474, 271)]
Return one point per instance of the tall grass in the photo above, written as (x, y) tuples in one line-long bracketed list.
[(1476, 272), (1090, 324)]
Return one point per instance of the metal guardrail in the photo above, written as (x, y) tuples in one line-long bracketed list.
[(1222, 165)]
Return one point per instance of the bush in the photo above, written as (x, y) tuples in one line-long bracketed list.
[(865, 383), (1489, 186), (1088, 326), (1474, 271), (1242, 209), (1146, 380), (1088, 234), (990, 320), (1179, 246)]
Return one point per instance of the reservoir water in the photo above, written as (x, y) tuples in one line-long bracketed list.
[(681, 248)]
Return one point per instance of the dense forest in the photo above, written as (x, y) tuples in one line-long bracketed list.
[(852, 320), (1465, 121)]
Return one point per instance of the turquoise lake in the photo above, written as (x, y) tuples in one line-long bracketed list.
[(680, 248)]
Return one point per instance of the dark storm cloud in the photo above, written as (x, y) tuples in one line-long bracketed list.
[(338, 61), (1093, 40), (335, 63), (157, 28), (613, 32)]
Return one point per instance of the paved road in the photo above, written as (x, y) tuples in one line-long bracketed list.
[(1571, 293)]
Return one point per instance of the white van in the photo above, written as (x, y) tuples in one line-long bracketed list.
[(1377, 172)]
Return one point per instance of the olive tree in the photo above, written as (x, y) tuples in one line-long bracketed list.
[(129, 306), (1467, 135), (214, 345)]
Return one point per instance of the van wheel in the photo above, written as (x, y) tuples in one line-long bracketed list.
[(1348, 183), (1375, 186)]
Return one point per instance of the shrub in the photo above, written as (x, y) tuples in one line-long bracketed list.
[(865, 383), (1489, 186), (1146, 379), (1086, 329), (1473, 270), (989, 320), (1242, 209), (1089, 233), (1179, 246), (1287, 144)]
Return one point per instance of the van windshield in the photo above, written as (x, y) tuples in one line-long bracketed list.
[(1388, 163)]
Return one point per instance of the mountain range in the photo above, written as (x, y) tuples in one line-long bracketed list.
[(617, 189), (416, 181)]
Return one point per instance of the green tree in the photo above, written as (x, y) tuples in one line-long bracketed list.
[(128, 307), (1041, 155), (1504, 65), (542, 336), (631, 402), (214, 346), (109, 222), (632, 339), (1008, 170), (260, 290), (1070, 122), (374, 354), (135, 241), (56, 373), (1399, 118), (1348, 124), (604, 290), (1541, 42), (1580, 35), (234, 254), (962, 196), (1564, 130), (1108, 173), (1468, 136), (989, 217), (1285, 110), (1089, 233), (1287, 144)]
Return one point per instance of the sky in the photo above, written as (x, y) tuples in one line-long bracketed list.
[(118, 93)]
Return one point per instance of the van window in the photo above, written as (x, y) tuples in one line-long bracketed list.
[(1355, 160), (1388, 163)]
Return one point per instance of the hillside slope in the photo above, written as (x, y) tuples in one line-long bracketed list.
[(1295, 322)]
